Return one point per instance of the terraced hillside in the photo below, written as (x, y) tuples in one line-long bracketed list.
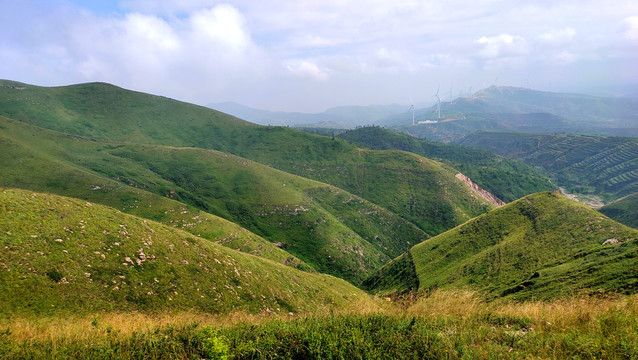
[(605, 166), (62, 256), (507, 179), (417, 189), (542, 246)]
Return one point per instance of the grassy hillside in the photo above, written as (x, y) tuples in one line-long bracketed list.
[(623, 210), (541, 246), (67, 256), (102, 111), (59, 170), (331, 230), (507, 179), (600, 165)]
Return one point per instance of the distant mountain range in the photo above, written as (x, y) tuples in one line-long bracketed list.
[(341, 117), (524, 110), (495, 108)]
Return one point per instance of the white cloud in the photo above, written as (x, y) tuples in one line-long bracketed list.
[(630, 28), (210, 50), (221, 25), (309, 41), (504, 45), (307, 69), (565, 57), (557, 37), (384, 58)]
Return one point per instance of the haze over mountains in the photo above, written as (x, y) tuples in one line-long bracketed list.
[(494, 108), (341, 117)]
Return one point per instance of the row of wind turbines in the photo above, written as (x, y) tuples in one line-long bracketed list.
[(438, 106)]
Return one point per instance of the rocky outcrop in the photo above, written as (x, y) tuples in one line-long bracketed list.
[(488, 196)]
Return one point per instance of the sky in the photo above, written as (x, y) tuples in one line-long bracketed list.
[(311, 55)]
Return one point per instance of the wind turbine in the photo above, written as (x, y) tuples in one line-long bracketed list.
[(412, 108), (438, 103)]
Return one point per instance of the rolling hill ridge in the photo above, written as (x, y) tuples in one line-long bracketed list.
[(542, 246), (303, 217), (106, 112), (506, 179)]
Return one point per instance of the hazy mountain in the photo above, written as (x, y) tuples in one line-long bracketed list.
[(338, 117), (525, 110)]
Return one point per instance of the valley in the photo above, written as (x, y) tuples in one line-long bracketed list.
[(138, 226)]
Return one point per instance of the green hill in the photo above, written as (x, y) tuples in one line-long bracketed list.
[(623, 210), (507, 179), (44, 165), (329, 229), (541, 246), (412, 187), (599, 165), (61, 256)]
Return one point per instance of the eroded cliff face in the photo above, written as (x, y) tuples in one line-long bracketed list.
[(488, 196)]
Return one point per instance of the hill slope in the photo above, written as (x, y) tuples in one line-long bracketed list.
[(600, 165), (67, 256), (541, 246), (412, 187), (623, 210), (328, 228), (508, 180), (55, 162)]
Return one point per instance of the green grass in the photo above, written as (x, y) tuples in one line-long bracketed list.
[(624, 210), (305, 217), (105, 112), (573, 329), (508, 179), (542, 246), (61, 171), (63, 256)]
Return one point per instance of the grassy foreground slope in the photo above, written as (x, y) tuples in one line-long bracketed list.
[(507, 179), (542, 246), (413, 187), (330, 229), (623, 210), (599, 165), (61, 255)]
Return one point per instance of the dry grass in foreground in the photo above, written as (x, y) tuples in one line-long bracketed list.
[(445, 324)]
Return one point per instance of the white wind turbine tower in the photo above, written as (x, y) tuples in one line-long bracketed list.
[(438, 103), (412, 108)]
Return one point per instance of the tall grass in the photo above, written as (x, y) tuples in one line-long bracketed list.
[(445, 324)]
